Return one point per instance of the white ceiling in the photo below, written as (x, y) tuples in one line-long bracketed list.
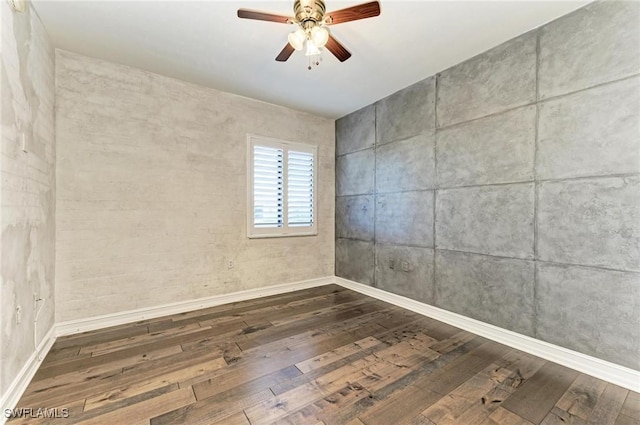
[(205, 43)]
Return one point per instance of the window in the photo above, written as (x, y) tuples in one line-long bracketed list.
[(282, 192)]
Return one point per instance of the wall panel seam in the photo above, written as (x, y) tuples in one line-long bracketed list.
[(535, 102), (375, 193), (534, 319)]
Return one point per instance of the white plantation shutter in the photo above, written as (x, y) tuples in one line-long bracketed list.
[(268, 183), (300, 188), (282, 189)]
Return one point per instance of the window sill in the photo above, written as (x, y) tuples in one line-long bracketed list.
[(282, 235)]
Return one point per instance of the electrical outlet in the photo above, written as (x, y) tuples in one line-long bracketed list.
[(406, 267), (230, 264), (18, 315)]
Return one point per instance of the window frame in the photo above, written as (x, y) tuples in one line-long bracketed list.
[(285, 230)]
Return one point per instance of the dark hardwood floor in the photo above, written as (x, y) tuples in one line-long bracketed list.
[(320, 356)]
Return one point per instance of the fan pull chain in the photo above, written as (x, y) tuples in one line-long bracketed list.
[(316, 62)]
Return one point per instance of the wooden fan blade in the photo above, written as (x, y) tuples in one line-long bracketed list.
[(353, 13), (285, 53), (337, 49), (263, 16)]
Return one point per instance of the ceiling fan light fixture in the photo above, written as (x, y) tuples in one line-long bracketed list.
[(296, 39), (320, 36), (312, 49)]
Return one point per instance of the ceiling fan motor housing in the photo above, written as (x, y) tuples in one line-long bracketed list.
[(308, 12)]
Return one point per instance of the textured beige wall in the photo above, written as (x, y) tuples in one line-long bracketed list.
[(151, 191), (27, 187)]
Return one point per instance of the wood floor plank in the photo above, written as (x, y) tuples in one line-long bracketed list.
[(477, 398), (369, 373), (631, 406), (132, 389), (315, 309), (420, 420), (328, 409), (124, 402), (248, 310), (101, 335), (173, 362), (400, 409), (211, 387), (538, 395), (222, 338), (312, 341), (608, 406), (125, 353), (337, 354), (61, 355), (625, 420), (455, 373), (575, 405), (133, 341), (450, 408), (311, 375), (288, 403), (505, 417), (244, 309), (237, 419), (149, 370), (214, 406), (278, 355), (78, 414), (456, 340), (298, 309), (145, 410), (99, 371), (290, 329), (173, 322), (212, 411), (558, 416), (407, 402)]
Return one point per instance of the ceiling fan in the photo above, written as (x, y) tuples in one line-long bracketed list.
[(312, 22)]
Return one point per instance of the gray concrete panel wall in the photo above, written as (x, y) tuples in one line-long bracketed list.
[(407, 113), (497, 80), (521, 207)]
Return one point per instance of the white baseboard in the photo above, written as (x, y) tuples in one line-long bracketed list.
[(98, 322), (601, 369), (10, 398)]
